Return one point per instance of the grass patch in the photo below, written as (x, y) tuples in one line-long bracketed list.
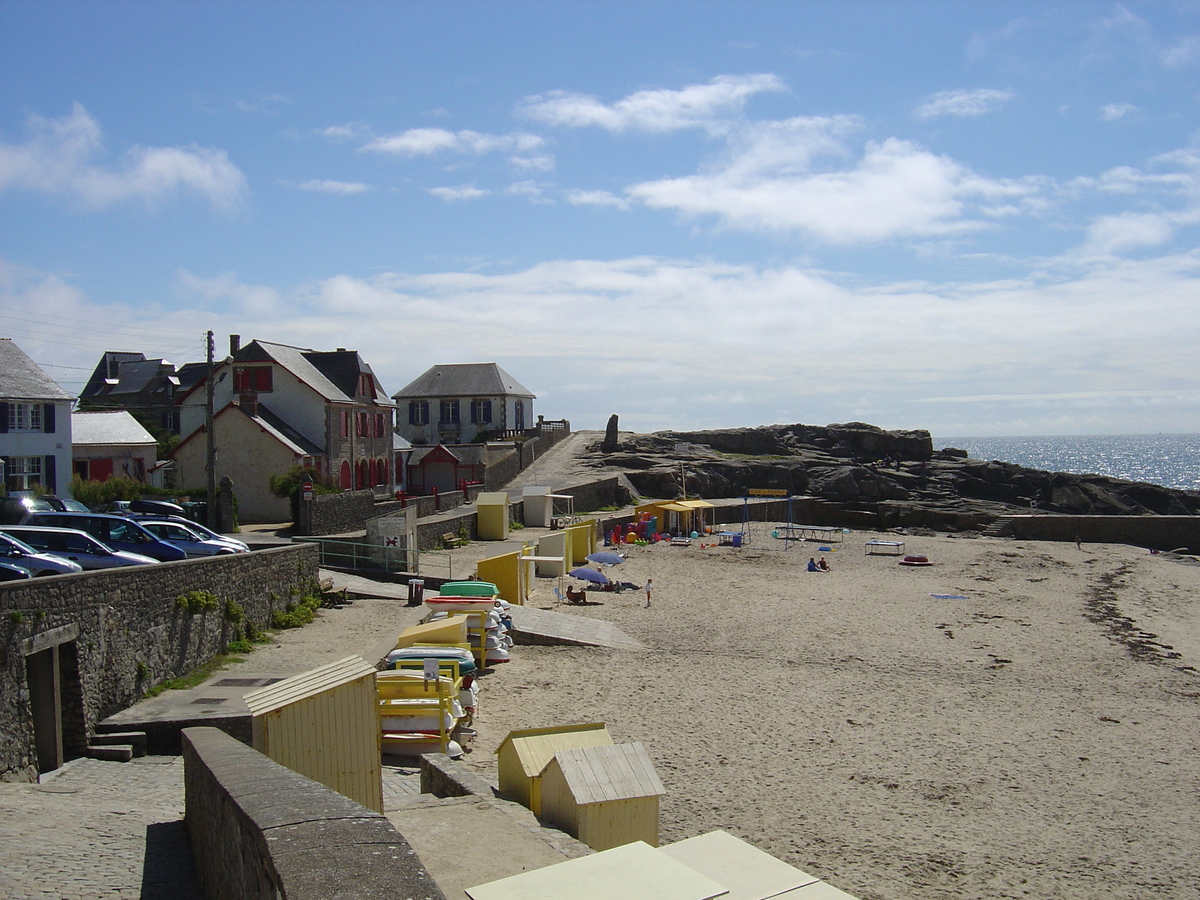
[(195, 677)]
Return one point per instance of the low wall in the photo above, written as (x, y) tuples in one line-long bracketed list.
[(260, 830), (335, 513), (126, 633), (1153, 532)]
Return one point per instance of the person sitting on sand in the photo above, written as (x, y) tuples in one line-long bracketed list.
[(812, 565), (823, 566), (576, 596)]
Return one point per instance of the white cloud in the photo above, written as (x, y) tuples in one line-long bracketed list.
[(334, 187), (597, 198), (431, 141), (1183, 53), (59, 159), (262, 104), (345, 132), (462, 192), (1127, 231), (1113, 111), (531, 190), (771, 182), (963, 103), (695, 106)]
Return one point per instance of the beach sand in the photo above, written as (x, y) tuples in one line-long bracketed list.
[(1031, 733)]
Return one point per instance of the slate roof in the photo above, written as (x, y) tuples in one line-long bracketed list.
[(464, 380), (23, 379), (332, 374), (109, 365), (109, 427)]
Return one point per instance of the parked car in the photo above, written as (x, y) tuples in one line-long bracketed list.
[(14, 508), (186, 535), (13, 572), (76, 546), (115, 532), (15, 551), (65, 505)]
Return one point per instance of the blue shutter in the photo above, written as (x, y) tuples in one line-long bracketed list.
[(3, 418), (48, 471), (48, 419)]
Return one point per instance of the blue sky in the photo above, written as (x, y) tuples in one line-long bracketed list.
[(975, 218)]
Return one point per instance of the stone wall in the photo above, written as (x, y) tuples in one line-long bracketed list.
[(336, 513), (128, 633), (260, 831)]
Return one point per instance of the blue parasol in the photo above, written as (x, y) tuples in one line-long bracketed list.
[(592, 575), (606, 559)]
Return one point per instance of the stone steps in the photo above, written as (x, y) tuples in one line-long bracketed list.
[(110, 752), (134, 740)]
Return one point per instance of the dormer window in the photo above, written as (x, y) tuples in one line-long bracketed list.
[(252, 378)]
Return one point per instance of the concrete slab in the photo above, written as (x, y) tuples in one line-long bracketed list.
[(542, 626), (465, 841)]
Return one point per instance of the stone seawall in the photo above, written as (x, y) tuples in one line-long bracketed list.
[(260, 831), (121, 632)]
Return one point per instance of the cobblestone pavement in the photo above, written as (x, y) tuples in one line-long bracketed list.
[(97, 829)]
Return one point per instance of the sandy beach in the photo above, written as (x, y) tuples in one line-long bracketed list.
[(1019, 719)]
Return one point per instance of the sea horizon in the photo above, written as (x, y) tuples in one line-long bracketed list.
[(1167, 459)]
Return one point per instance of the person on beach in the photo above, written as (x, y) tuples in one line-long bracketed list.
[(812, 565), (649, 587), (823, 566)]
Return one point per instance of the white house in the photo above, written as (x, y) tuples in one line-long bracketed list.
[(112, 443), (35, 425), (456, 404)]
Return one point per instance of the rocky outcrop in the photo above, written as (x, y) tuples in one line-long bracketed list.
[(895, 475)]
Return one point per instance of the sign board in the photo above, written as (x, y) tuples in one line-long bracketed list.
[(306, 490), (768, 492)]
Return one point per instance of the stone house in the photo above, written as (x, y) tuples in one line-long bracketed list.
[(277, 406), (460, 404), (147, 388), (35, 426)]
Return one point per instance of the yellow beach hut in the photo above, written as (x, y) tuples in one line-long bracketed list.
[(604, 796), (523, 755)]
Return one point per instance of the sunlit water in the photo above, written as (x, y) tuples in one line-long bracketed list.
[(1172, 460)]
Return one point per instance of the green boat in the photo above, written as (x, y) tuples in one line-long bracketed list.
[(468, 589)]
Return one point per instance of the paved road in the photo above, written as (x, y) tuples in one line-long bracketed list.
[(98, 830)]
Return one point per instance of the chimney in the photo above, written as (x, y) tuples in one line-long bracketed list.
[(249, 403), (235, 343)]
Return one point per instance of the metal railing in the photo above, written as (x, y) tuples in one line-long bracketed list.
[(362, 556)]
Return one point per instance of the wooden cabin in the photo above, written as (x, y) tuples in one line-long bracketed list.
[(523, 755), (605, 796)]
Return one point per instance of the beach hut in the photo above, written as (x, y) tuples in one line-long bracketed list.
[(491, 519), (605, 796), (323, 724), (523, 755)]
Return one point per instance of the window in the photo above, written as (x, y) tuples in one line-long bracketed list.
[(481, 412), (418, 412), (380, 429), (25, 416), (449, 412), (22, 472), (366, 386), (345, 423), (170, 420), (252, 378)]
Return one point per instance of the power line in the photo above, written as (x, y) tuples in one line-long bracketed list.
[(91, 326)]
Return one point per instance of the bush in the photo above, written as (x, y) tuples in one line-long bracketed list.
[(196, 602)]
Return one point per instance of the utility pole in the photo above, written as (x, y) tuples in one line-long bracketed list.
[(210, 460)]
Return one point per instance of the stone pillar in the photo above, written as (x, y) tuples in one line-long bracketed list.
[(225, 523)]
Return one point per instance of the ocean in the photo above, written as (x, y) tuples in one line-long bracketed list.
[(1171, 460)]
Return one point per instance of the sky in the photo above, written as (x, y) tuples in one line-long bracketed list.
[(972, 218)]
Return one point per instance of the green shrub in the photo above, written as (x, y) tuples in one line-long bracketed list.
[(196, 602), (234, 612)]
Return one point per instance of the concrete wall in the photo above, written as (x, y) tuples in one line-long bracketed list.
[(260, 830), (1154, 532), (126, 632)]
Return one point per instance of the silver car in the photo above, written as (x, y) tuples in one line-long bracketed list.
[(15, 551), (191, 538), (77, 546)]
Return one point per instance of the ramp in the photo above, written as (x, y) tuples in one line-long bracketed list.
[(542, 626)]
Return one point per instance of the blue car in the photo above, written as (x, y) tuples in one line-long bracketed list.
[(116, 532)]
